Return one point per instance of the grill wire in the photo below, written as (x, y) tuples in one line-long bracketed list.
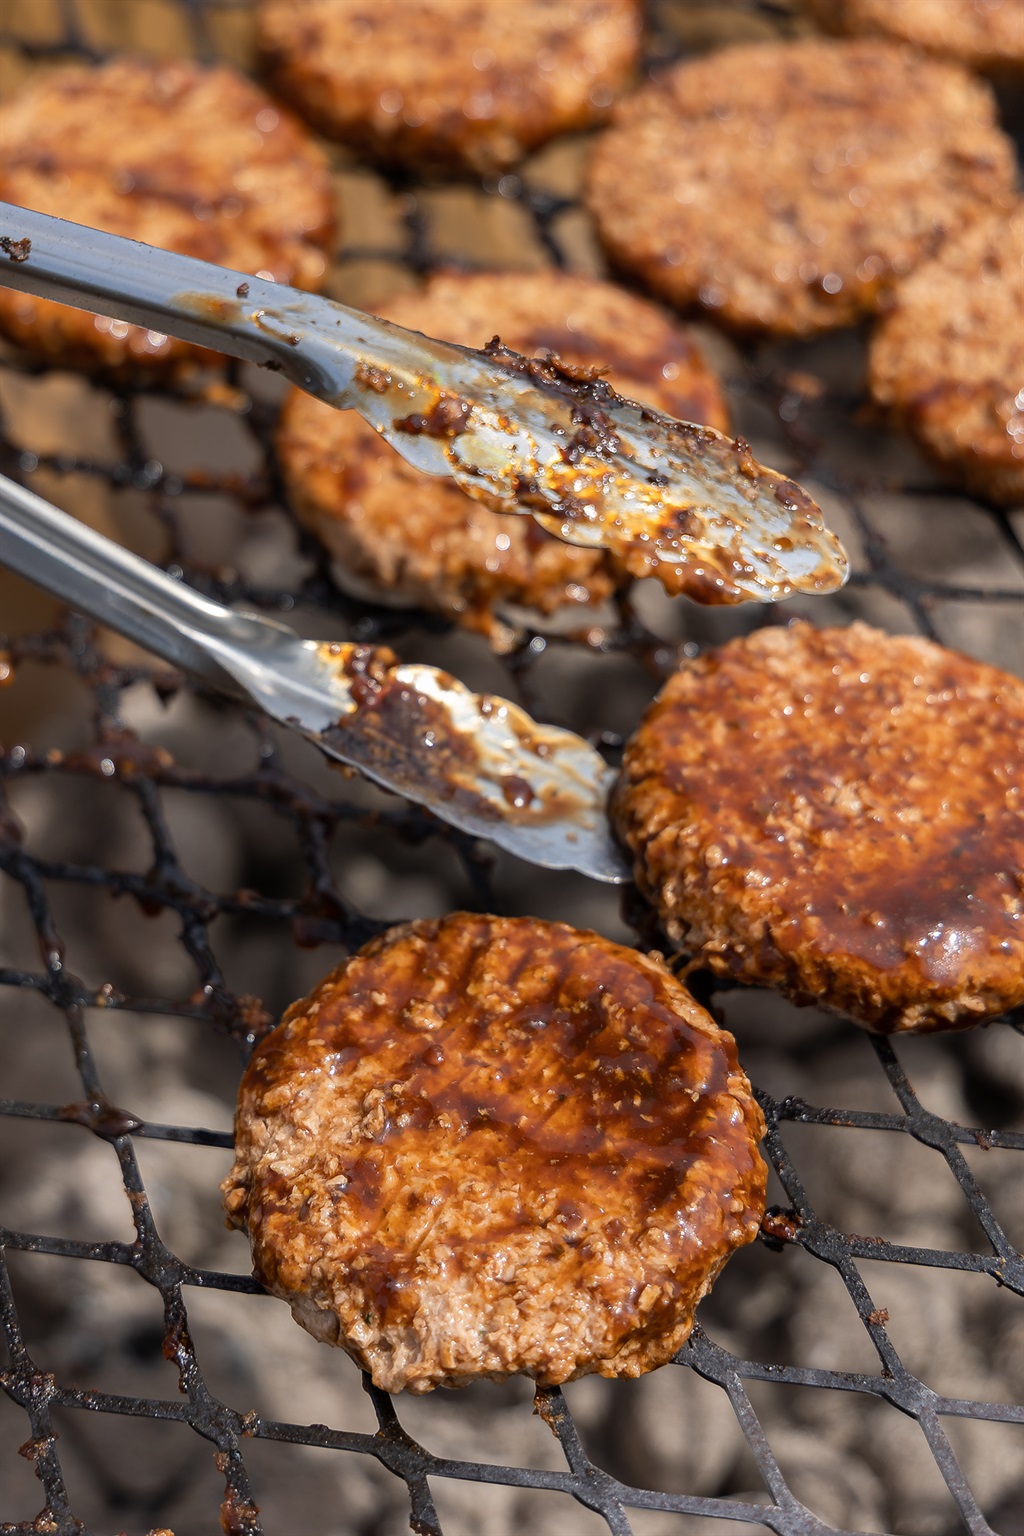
[(777, 397)]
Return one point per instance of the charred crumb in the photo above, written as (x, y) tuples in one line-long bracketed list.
[(583, 373), (780, 1225), (17, 250), (588, 395)]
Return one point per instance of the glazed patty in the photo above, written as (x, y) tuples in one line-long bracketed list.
[(419, 539), (487, 1146), (784, 186), (195, 160), (837, 813), (947, 358), (985, 34), (442, 83)]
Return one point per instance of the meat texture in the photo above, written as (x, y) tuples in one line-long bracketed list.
[(470, 84), (417, 539), (985, 34), (487, 1146), (195, 160), (837, 813), (785, 186), (947, 358)]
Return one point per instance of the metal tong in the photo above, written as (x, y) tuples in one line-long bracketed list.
[(475, 760), (670, 499)]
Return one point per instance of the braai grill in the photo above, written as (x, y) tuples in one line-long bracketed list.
[(852, 1399)]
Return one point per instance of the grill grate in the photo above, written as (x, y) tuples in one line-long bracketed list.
[(797, 401)]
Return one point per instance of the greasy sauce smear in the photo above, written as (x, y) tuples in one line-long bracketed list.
[(413, 741), (447, 417), (702, 539), (666, 498)]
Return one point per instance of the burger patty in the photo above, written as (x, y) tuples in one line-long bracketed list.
[(419, 539), (784, 186), (486, 1146), (837, 814), (192, 159), (947, 358), (441, 83), (984, 34)]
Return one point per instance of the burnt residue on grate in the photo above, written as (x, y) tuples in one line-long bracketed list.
[(177, 871)]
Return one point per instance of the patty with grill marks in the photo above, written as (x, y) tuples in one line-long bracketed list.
[(418, 539), (984, 34), (838, 814), (442, 84), (196, 160), (785, 186), (486, 1146), (947, 358)]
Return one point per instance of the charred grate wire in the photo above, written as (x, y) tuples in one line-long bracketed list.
[(322, 915)]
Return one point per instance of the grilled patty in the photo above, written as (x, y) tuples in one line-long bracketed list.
[(784, 186), (486, 1146), (195, 160), (837, 814), (985, 34), (471, 84), (947, 358), (419, 539)]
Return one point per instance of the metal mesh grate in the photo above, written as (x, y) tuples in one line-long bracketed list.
[(100, 832)]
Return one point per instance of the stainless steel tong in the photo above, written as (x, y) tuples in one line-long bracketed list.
[(475, 760), (681, 502)]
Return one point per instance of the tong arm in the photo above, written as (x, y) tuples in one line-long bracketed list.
[(115, 587)]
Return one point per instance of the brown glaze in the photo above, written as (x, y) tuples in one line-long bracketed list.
[(489, 1145), (837, 813), (106, 1120), (446, 417), (412, 739), (191, 159)]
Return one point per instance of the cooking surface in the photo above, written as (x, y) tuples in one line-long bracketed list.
[(178, 872)]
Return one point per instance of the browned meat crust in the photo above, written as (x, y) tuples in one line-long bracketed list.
[(784, 186), (195, 160), (837, 813), (423, 540), (450, 83), (486, 1146), (985, 34), (947, 359)]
